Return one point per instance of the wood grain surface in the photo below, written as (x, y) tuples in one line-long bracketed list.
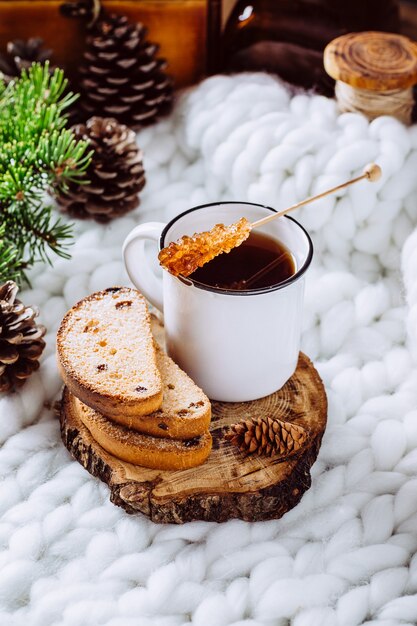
[(372, 60), (229, 485)]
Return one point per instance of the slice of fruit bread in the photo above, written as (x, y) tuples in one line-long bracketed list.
[(134, 447), (185, 411), (106, 354)]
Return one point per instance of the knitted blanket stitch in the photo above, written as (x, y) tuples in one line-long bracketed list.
[(345, 555)]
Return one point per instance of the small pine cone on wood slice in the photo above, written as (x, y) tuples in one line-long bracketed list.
[(21, 342), (268, 436), (115, 175), (20, 54)]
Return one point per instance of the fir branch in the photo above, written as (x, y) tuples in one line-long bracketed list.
[(11, 266), (37, 152), (43, 233), (63, 159)]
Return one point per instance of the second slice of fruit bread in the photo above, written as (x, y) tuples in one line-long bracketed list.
[(106, 354), (133, 447), (185, 411)]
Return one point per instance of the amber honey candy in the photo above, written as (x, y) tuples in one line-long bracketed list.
[(187, 31), (233, 270)]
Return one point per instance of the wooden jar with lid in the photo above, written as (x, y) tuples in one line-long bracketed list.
[(186, 31), (374, 72)]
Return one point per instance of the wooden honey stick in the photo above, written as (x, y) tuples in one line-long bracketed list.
[(184, 256), (372, 172)]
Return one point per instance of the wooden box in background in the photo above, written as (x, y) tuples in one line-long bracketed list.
[(187, 31)]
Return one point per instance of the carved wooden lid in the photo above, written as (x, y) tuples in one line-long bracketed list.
[(372, 60)]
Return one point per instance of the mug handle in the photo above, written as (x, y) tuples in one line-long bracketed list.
[(137, 264)]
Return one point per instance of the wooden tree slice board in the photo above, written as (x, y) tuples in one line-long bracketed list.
[(229, 485)]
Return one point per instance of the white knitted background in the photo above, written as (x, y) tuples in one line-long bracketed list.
[(345, 555)]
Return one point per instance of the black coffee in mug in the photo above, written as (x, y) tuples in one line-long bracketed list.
[(259, 262)]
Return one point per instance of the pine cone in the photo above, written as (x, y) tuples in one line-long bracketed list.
[(121, 76), (21, 342), (268, 436), (20, 54), (115, 174)]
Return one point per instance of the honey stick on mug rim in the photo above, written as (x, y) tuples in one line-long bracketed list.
[(184, 256)]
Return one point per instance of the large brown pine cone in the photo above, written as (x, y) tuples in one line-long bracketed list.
[(21, 342), (121, 76), (20, 54), (115, 174)]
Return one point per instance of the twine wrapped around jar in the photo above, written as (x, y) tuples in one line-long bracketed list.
[(374, 73)]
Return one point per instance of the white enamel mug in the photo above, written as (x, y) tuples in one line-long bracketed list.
[(235, 345)]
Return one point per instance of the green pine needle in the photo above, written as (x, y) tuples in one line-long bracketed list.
[(37, 153), (10, 264)]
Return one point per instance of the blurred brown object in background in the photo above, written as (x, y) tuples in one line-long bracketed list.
[(187, 31), (408, 18), (287, 37)]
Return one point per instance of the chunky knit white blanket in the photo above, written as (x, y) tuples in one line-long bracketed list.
[(345, 555)]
